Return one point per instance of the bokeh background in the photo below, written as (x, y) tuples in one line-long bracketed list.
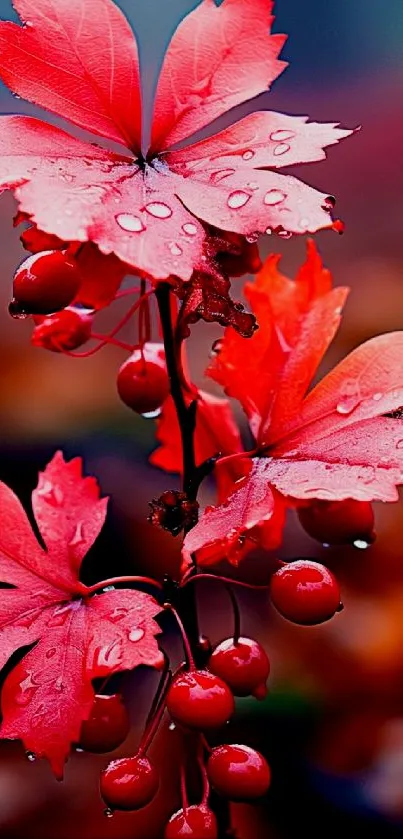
[(332, 724)]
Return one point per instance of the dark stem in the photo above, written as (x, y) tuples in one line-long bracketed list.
[(192, 476)]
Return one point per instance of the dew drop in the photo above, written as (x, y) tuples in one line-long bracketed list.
[(136, 635), (158, 210), (118, 613), (282, 134), (377, 396), (284, 234), (274, 196), (189, 228), (51, 652), (268, 231), (78, 750), (281, 148), (253, 185), (238, 199), (399, 444), (31, 756), (361, 544), (109, 813), (252, 239), (350, 397), (152, 414), (131, 223), (65, 176), (175, 249), (304, 223), (248, 154), (15, 310), (172, 726)]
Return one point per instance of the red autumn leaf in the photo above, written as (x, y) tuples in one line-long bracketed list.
[(151, 210), (216, 432), (77, 637), (283, 350), (343, 440)]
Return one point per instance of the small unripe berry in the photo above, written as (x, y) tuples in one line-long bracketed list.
[(107, 726), (238, 772), (142, 382), (200, 700), (305, 592), (196, 822), (338, 522), (46, 282), (63, 331), (129, 783), (243, 665)]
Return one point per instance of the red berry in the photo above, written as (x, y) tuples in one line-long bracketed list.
[(243, 665), (338, 522), (142, 382), (107, 727), (46, 282), (129, 783), (199, 699), (65, 330), (238, 772), (196, 822), (305, 592)]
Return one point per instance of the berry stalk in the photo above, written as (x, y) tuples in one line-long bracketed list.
[(186, 414)]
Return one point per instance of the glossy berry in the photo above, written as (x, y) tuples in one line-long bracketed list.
[(63, 331), (196, 822), (199, 699), (107, 726), (305, 592), (338, 522), (238, 772), (129, 783), (243, 665), (46, 282), (142, 382)]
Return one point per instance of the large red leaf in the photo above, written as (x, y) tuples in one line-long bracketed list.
[(83, 192), (216, 433), (77, 58), (78, 637), (218, 57), (270, 372)]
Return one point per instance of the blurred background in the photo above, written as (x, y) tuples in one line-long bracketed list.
[(332, 724)]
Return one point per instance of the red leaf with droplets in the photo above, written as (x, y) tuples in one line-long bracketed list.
[(343, 440), (222, 530), (77, 58), (87, 193), (78, 637), (152, 215), (216, 432), (218, 57), (297, 321)]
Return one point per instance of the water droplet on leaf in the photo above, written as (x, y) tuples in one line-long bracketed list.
[(136, 634), (282, 148), (30, 756), (248, 154), (350, 397), (158, 210), (238, 199), (273, 197), (189, 228), (133, 224), (109, 813), (175, 249)]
